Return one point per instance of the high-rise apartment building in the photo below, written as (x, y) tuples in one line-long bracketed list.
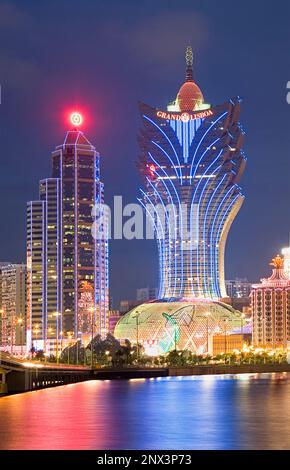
[(238, 288), (63, 256), (13, 305), (145, 294), (2, 264)]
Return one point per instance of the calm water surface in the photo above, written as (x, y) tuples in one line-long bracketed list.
[(225, 412)]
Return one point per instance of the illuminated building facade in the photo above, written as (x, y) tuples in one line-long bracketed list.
[(2, 264), (192, 159), (286, 255), (62, 253), (13, 306), (271, 309), (162, 327)]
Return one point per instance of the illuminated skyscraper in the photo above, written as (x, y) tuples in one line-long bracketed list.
[(192, 159), (62, 254), (191, 162)]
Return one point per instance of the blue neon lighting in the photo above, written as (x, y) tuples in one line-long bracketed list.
[(169, 141)]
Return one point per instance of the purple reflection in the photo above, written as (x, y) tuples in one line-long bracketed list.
[(228, 412)]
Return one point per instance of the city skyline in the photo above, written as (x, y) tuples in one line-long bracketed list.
[(144, 189), (105, 92)]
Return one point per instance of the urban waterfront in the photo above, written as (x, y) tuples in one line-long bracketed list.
[(144, 243), (215, 412)]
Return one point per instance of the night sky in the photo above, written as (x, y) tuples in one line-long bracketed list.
[(103, 57)]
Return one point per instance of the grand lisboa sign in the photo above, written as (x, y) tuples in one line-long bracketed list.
[(184, 117)]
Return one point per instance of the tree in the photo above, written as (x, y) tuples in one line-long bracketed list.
[(39, 354)]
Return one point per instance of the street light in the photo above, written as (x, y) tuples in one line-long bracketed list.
[(50, 333), (92, 310), (61, 345), (79, 341), (20, 323), (226, 320), (36, 330), (57, 315), (69, 334), (137, 335)]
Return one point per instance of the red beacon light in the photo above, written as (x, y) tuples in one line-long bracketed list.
[(76, 119)]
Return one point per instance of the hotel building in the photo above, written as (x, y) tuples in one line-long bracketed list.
[(62, 254), (286, 255), (191, 162), (191, 159), (271, 309)]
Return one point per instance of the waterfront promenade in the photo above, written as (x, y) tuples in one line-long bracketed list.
[(22, 376)]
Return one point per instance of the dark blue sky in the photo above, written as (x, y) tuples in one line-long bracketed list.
[(105, 56)]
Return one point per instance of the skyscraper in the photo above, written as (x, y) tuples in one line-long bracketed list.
[(191, 162), (191, 158), (62, 254)]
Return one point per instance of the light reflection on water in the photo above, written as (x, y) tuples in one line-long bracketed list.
[(213, 412)]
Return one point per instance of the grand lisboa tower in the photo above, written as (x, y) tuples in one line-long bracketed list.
[(191, 162)]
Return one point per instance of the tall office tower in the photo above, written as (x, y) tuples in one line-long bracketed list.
[(62, 253), (192, 160), (271, 309), (13, 305)]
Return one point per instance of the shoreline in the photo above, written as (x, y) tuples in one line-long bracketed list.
[(158, 372), (143, 373)]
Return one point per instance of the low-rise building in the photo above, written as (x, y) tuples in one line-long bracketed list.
[(227, 344), (127, 305), (271, 309), (13, 306), (113, 318)]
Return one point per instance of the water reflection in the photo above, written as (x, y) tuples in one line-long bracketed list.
[(216, 412)]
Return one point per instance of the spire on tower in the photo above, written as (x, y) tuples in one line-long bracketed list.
[(189, 64), (277, 262)]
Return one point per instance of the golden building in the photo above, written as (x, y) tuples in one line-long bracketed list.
[(271, 309)]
